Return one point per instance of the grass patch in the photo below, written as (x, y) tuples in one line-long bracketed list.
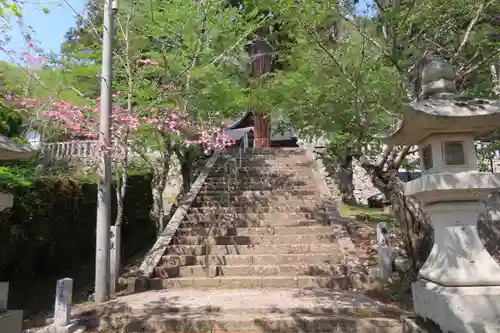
[(365, 214)]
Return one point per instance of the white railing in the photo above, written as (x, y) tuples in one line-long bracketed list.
[(83, 150), (58, 151)]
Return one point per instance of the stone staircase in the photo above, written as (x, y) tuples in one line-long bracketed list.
[(267, 231), (260, 257)]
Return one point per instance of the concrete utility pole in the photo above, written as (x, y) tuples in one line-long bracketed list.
[(102, 268)]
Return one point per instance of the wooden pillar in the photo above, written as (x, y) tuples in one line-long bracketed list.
[(261, 132), (261, 61)]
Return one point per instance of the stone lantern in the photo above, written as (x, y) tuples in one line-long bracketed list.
[(10, 320), (459, 284)]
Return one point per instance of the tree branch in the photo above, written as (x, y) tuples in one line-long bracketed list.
[(468, 31), (330, 54), (401, 156), (383, 158)]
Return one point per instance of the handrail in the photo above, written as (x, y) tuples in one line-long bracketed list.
[(232, 166), (231, 169), (243, 146)]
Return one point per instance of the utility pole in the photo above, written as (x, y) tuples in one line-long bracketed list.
[(102, 262)]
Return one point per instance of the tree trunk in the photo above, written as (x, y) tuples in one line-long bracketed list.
[(120, 190), (158, 183), (261, 62), (261, 132), (416, 230), (187, 157), (187, 176), (344, 176)]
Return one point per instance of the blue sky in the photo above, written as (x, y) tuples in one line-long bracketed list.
[(49, 28)]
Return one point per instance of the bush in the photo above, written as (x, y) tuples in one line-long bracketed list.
[(51, 226)]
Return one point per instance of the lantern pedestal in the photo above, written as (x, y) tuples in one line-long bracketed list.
[(458, 309), (459, 286), (458, 256)]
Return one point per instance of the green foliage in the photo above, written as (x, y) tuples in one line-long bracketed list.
[(10, 8), (13, 177), (10, 121), (52, 223)]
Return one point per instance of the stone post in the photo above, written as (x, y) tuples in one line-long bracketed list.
[(384, 251), (62, 308), (115, 258), (11, 321), (4, 295), (496, 164)]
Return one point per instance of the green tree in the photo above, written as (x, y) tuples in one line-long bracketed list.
[(350, 89)]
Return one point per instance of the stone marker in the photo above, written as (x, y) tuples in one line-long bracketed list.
[(4, 295), (115, 259), (384, 251), (62, 308)]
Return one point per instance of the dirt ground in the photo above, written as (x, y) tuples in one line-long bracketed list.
[(362, 229)]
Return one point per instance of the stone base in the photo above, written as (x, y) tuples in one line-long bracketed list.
[(458, 309), (412, 325), (11, 321)]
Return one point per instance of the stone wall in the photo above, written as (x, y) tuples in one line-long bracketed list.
[(173, 187), (174, 183), (363, 187)]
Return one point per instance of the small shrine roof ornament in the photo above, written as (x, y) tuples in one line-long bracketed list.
[(440, 111)]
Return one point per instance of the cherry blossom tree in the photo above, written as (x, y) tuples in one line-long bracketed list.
[(172, 127)]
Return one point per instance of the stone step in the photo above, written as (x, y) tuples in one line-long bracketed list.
[(254, 240), (281, 223), (245, 179), (284, 151), (288, 151), (281, 310), (240, 196), (267, 164), (227, 231), (249, 154), (248, 282), (276, 323), (272, 220), (253, 205), (298, 191), (265, 157), (221, 211), (266, 189), (251, 259), (256, 187), (272, 171), (198, 250), (214, 270)]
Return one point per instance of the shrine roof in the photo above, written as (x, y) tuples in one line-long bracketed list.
[(12, 150)]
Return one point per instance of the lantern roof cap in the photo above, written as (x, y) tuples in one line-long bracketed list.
[(421, 119), (439, 111)]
